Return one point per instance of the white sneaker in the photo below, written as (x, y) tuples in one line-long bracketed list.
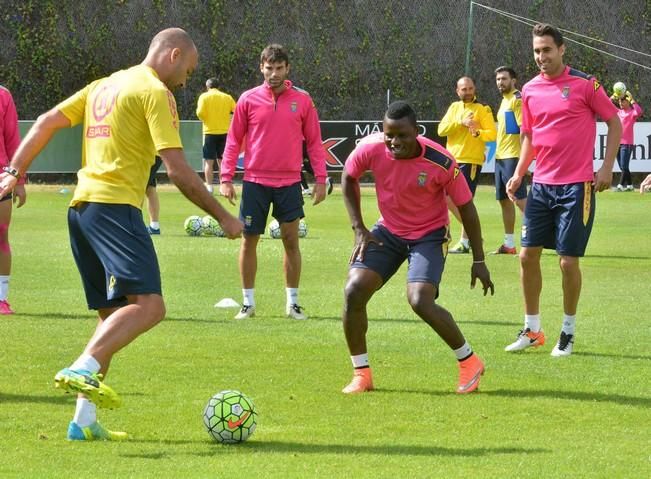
[(620, 188), (527, 339), (246, 312), (564, 345), (629, 188), (209, 188), (295, 311), (307, 191)]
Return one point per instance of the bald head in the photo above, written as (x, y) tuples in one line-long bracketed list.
[(171, 38), (173, 55), (466, 89)]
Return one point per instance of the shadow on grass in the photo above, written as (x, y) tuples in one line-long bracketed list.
[(282, 447), (615, 257), (59, 399), (592, 397), (616, 356), (55, 315)]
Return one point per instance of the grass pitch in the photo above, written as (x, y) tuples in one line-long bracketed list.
[(534, 417)]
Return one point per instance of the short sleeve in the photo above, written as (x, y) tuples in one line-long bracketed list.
[(162, 118)]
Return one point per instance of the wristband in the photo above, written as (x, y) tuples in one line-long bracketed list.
[(12, 171), (478, 262)]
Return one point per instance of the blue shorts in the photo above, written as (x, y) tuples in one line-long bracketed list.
[(152, 173), (471, 172), (504, 170), (559, 217), (426, 255), (213, 146), (287, 204), (114, 253)]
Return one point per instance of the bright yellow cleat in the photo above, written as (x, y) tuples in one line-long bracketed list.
[(90, 385)]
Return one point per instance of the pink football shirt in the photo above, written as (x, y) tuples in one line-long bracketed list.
[(560, 114), (410, 192)]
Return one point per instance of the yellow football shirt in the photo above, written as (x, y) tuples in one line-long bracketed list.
[(127, 118), (509, 119), (464, 147), (214, 109)]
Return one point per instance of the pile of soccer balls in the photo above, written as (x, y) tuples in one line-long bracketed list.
[(274, 229), (207, 226), (230, 417)]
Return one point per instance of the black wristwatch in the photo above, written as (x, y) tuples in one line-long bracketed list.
[(11, 171)]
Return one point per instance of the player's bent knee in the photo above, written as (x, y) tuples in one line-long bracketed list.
[(356, 294)]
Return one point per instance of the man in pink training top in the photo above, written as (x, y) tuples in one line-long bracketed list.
[(559, 107), (629, 111), (9, 141), (413, 176), (271, 121)]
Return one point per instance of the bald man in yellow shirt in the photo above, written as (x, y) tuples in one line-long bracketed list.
[(468, 126), (128, 118), (215, 109)]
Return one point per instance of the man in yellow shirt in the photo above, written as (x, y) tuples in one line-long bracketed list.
[(509, 119), (215, 110), (128, 117), (468, 125)]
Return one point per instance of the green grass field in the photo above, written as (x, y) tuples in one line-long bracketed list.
[(534, 417)]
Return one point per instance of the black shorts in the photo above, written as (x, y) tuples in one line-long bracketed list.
[(114, 253), (213, 146), (257, 199), (504, 170), (152, 173), (426, 255), (471, 172), (8, 196), (559, 217)]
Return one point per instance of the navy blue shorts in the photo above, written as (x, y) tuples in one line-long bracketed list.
[(287, 204), (426, 255), (213, 146), (471, 173), (152, 173), (559, 217), (504, 170), (114, 253)]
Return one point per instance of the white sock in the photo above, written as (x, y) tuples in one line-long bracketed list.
[(569, 322), (463, 352), (508, 241), (4, 287), (465, 242), (86, 413), (154, 225), (87, 363), (292, 296), (532, 322), (360, 361), (248, 297)]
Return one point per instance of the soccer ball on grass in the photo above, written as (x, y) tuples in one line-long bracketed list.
[(211, 227), (193, 225), (274, 229), (275, 233), (230, 417)]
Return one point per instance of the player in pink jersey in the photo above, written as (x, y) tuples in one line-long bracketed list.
[(271, 121), (9, 141), (559, 107), (629, 112), (413, 176)]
